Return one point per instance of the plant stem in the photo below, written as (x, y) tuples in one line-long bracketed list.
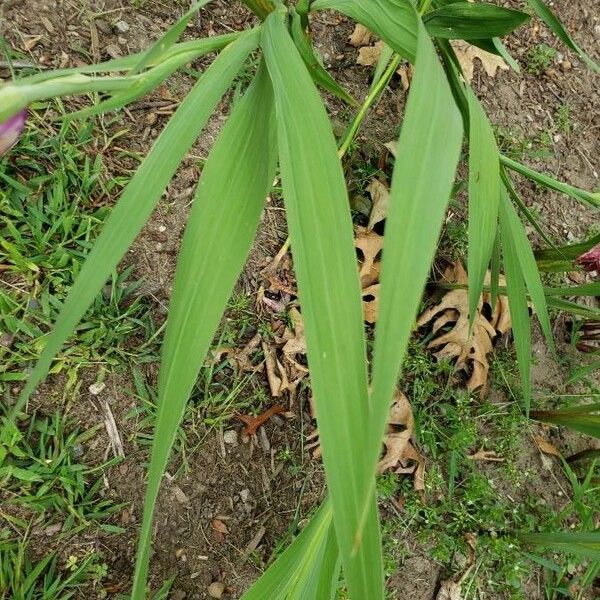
[(371, 97), (424, 7)]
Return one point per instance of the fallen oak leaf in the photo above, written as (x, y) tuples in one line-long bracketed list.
[(546, 447), (370, 55), (466, 55), (253, 423), (380, 195), (485, 456), (370, 245), (361, 36)]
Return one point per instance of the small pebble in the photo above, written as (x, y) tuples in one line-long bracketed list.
[(122, 26), (245, 495), (96, 388), (103, 26), (231, 437), (216, 589)]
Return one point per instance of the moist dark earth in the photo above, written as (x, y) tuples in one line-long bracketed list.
[(231, 501)]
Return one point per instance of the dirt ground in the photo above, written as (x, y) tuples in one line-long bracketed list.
[(233, 500)]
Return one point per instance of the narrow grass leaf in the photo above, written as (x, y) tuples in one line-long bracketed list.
[(495, 270), (590, 198), (465, 20), (162, 46), (529, 268), (428, 153), (586, 545), (315, 68), (290, 574), (516, 198), (484, 198), (321, 236), (562, 258), (545, 14), (517, 299), (584, 418), (394, 21), (221, 227), (587, 312), (197, 47), (585, 289), (139, 199)]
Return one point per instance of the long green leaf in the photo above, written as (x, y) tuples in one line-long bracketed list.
[(529, 268), (292, 572), (162, 46), (126, 63), (586, 545), (563, 257), (466, 20), (139, 199), (590, 198), (394, 21), (517, 299), (484, 198), (322, 245), (583, 418), (428, 153), (221, 227), (585, 289), (587, 312), (544, 13), (316, 69)]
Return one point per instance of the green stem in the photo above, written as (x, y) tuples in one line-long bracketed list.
[(424, 7), (261, 8), (370, 99)]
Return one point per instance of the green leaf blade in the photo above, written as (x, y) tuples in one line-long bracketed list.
[(324, 259), (139, 199), (484, 198), (218, 237)]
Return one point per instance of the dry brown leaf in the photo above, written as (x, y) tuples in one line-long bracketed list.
[(406, 74), (370, 245), (370, 301), (469, 350), (271, 362), (380, 195), (466, 54), (545, 446), (450, 590), (219, 526), (485, 456), (296, 342), (369, 55), (361, 36), (253, 423)]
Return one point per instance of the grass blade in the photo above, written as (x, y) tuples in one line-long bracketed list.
[(590, 198), (517, 299), (563, 257), (546, 15), (324, 259), (394, 21), (428, 153), (484, 198), (585, 289), (464, 20), (584, 418), (586, 545), (587, 312), (289, 574), (529, 268), (316, 69), (139, 199), (218, 237), (162, 46)]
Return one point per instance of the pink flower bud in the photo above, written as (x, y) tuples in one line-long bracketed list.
[(590, 261), (10, 131)]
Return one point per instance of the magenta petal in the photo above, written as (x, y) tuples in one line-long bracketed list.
[(590, 261), (10, 131)]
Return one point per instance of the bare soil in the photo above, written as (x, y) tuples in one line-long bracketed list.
[(247, 486)]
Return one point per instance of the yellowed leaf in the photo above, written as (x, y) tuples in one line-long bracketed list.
[(369, 55), (380, 195), (361, 36), (370, 245), (485, 456), (469, 348), (466, 54), (546, 447)]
